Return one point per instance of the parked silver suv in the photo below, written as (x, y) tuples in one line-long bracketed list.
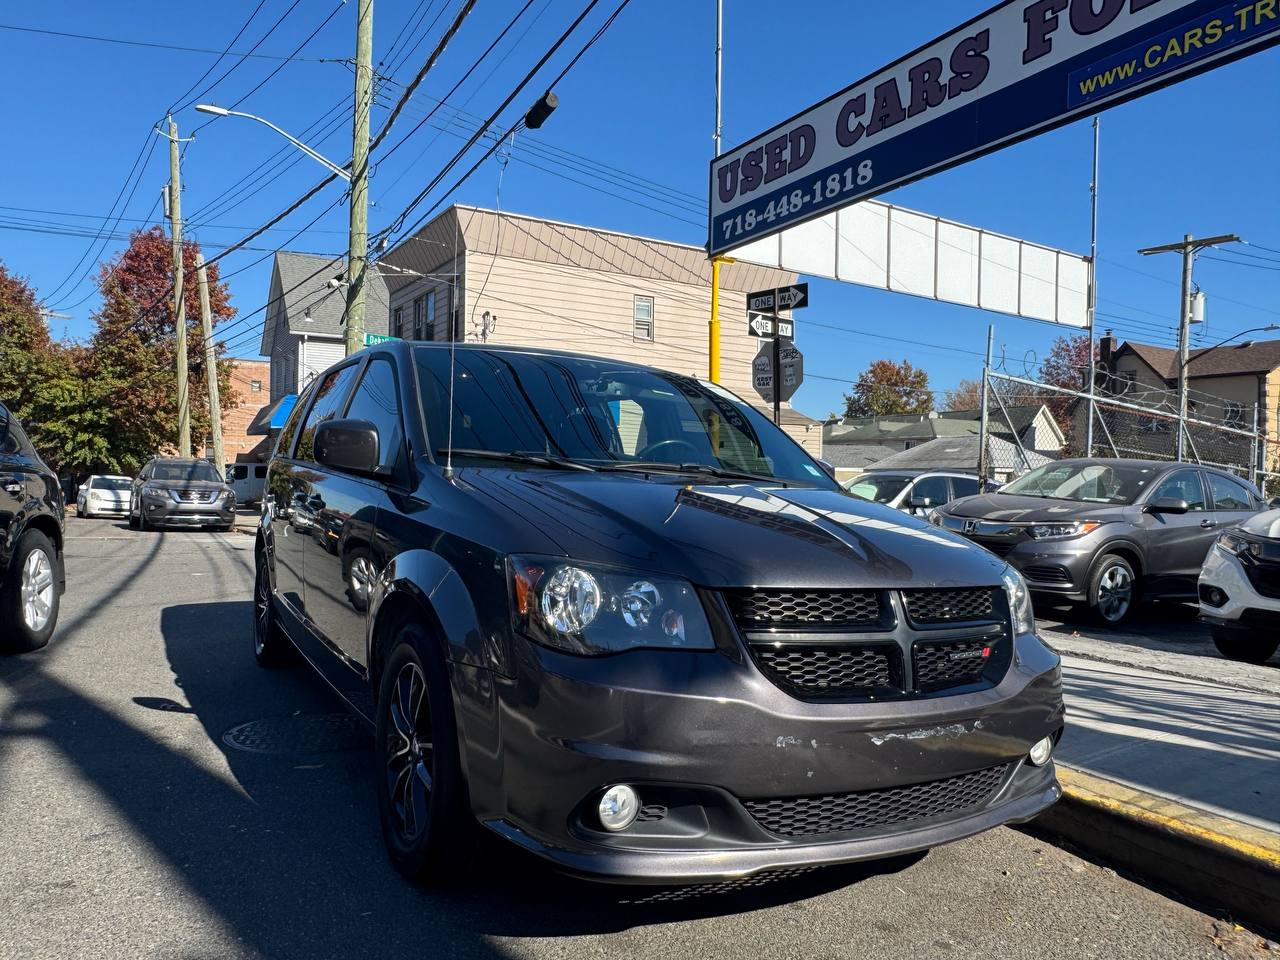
[(1106, 532)]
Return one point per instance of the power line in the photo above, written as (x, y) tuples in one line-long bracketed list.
[(165, 46), (208, 70)]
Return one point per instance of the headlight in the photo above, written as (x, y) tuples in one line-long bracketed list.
[(1239, 544), (1063, 531), (1015, 589), (149, 491), (587, 609)]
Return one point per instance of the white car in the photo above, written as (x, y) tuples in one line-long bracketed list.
[(104, 496), (1240, 589)]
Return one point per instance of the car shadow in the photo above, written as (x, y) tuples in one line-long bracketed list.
[(306, 837)]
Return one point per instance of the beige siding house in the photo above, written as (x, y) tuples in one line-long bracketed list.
[(506, 278)]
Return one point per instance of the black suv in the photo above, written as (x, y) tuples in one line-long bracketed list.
[(618, 618), (31, 517)]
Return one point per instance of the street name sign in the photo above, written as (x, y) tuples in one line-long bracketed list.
[(1019, 69), (784, 298), (791, 362), (767, 325), (372, 339)]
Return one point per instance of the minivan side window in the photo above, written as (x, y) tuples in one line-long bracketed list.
[(330, 397), (1183, 485), (377, 400), (1229, 494)]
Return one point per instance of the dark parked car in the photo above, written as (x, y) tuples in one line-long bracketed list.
[(628, 652), (174, 492), (1106, 532), (31, 518)]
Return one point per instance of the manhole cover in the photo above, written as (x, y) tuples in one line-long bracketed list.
[(304, 733)]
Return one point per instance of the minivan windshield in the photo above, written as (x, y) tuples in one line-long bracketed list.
[(1084, 481), (582, 412), (880, 488), (179, 472)]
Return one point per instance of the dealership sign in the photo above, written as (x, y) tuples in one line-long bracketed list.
[(1021, 68)]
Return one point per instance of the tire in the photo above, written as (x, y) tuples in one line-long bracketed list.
[(29, 595), (135, 522), (426, 820), (1242, 646), (1113, 590), (271, 648)]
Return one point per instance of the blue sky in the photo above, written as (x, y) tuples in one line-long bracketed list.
[(634, 129)]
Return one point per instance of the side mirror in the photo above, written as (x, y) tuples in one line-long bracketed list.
[(350, 445), (827, 468), (1168, 505), (1274, 503), (920, 503)]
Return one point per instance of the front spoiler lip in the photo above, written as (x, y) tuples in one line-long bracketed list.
[(708, 866)]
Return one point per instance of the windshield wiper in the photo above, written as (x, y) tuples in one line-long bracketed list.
[(519, 456), (700, 468)]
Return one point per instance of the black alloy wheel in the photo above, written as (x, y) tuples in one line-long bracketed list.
[(421, 797), (271, 648)]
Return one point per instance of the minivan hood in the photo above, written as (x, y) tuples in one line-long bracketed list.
[(735, 534), (1011, 508)]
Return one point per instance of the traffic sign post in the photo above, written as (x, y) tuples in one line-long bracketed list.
[(783, 298), (777, 370)]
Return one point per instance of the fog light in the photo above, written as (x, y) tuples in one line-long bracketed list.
[(618, 807), (1040, 751)]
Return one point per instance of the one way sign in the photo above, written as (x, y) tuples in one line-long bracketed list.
[(784, 298), (767, 325)]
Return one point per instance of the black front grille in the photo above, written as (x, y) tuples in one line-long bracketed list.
[(843, 813), (1001, 548), (946, 606), (950, 664), (1046, 573), (830, 671), (764, 609), (1265, 578)]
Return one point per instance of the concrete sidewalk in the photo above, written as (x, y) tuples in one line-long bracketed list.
[(1176, 779), (1203, 744)]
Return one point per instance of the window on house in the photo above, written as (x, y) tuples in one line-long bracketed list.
[(642, 318), (428, 317), (417, 318), (397, 322), (1233, 413), (255, 386)]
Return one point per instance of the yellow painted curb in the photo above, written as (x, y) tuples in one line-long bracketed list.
[(1243, 840)]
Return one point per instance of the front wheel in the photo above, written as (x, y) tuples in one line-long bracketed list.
[(29, 595), (271, 648), (1239, 645), (1113, 590), (421, 797)]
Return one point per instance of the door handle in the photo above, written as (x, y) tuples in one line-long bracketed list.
[(1208, 524)]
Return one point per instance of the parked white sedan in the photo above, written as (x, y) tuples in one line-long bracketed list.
[(104, 496), (1240, 589)]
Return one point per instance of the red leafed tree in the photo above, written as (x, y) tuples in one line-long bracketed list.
[(131, 360), (887, 388), (1067, 366)]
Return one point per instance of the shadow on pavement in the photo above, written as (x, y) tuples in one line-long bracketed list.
[(281, 842)]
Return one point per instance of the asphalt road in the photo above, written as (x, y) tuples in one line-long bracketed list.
[(141, 818)]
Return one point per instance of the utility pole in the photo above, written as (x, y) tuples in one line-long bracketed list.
[(1188, 248), (358, 238), (179, 288), (713, 324), (211, 368), (1093, 287)]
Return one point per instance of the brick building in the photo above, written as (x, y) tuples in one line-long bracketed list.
[(250, 387)]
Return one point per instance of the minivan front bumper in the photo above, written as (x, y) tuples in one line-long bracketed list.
[(709, 742)]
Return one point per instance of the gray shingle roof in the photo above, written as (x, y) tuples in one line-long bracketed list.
[(854, 455), (307, 295), (961, 453)]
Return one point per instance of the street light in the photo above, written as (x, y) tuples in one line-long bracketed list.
[(1267, 329), (218, 111)]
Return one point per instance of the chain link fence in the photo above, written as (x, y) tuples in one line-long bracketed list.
[(1141, 425)]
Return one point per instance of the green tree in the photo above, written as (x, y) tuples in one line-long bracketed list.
[(38, 377), (130, 364), (887, 388)]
